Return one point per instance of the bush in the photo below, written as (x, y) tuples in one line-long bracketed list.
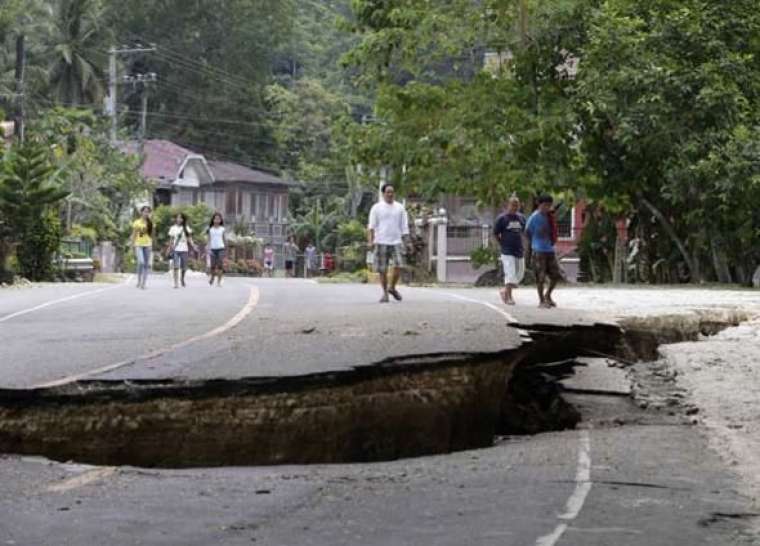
[(198, 217), (484, 257), (39, 242)]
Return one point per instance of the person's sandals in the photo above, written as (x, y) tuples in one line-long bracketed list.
[(384, 299), (393, 292)]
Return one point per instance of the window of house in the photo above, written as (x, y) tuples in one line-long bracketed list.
[(230, 202), (269, 200), (284, 209), (565, 223), (184, 197)]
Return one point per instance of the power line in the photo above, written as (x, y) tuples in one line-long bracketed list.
[(171, 53), (237, 137), (182, 93), (228, 121)]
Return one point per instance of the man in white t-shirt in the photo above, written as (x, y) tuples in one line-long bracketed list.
[(388, 229)]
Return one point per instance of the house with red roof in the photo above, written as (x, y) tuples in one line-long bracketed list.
[(243, 195)]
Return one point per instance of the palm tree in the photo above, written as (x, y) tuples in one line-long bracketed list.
[(75, 76)]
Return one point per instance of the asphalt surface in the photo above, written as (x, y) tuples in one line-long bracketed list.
[(655, 482)]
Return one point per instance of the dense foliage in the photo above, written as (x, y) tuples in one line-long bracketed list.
[(646, 109)]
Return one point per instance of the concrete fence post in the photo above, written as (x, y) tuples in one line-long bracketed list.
[(442, 253)]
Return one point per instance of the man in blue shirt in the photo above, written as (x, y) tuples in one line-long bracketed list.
[(540, 229), (508, 230)]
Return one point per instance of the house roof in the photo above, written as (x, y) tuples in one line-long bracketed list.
[(225, 171), (163, 159), (164, 162)]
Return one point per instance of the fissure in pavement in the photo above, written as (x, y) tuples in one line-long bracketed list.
[(402, 407)]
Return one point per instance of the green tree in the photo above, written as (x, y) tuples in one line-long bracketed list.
[(306, 129), (448, 123), (76, 47), (29, 198), (668, 96), (103, 181)]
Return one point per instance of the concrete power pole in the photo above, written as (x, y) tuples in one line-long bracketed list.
[(112, 104), (112, 93), (145, 80), (20, 69)]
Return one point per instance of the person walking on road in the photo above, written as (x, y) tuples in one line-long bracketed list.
[(541, 231), (216, 244), (388, 229), (290, 250), (508, 230), (180, 243), (268, 260), (142, 241), (310, 257)]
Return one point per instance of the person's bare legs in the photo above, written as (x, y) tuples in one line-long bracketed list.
[(508, 294), (395, 275), (548, 298), (219, 275), (541, 297), (384, 284), (503, 294), (182, 278)]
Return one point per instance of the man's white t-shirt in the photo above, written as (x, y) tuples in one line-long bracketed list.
[(389, 222), (216, 237), (178, 239)]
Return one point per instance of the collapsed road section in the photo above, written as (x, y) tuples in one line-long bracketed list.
[(400, 407)]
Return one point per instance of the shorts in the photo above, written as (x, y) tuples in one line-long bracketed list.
[(288, 264), (546, 265), (384, 254), (268, 265), (179, 260), (217, 258), (514, 269)]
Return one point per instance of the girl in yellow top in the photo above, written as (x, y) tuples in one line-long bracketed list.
[(142, 230)]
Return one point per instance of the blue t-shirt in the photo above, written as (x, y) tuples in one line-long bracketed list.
[(540, 232), (509, 229)]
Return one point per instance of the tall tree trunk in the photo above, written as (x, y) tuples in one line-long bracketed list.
[(720, 261), (618, 264), (691, 262)]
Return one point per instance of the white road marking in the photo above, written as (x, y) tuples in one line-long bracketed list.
[(82, 479), (578, 498), (253, 299), (62, 300), (512, 321), (510, 318)]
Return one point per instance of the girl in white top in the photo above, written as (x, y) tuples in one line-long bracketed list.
[(216, 244), (180, 243)]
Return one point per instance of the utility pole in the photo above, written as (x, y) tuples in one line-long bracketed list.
[(20, 66), (112, 93), (524, 21), (111, 106), (145, 80)]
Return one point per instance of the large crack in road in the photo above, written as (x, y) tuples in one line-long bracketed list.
[(401, 407)]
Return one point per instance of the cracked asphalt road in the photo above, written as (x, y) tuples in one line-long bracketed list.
[(655, 482)]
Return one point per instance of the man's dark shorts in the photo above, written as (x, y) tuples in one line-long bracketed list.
[(384, 254), (545, 265)]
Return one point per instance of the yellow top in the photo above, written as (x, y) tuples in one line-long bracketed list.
[(140, 233)]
